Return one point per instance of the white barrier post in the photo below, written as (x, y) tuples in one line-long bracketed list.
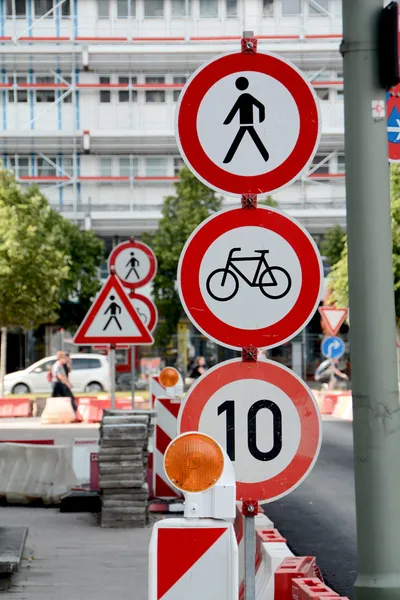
[(196, 556)]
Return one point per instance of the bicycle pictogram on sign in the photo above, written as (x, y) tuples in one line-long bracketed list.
[(273, 281)]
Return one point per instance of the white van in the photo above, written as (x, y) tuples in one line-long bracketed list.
[(90, 373)]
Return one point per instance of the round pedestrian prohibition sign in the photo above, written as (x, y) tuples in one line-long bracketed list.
[(250, 278), (264, 416), (135, 263), (247, 124)]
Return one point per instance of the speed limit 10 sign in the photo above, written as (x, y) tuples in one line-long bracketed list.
[(265, 417)]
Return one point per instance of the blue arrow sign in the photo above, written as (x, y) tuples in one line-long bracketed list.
[(332, 347), (393, 126)]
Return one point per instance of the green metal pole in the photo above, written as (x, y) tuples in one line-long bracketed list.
[(376, 406)]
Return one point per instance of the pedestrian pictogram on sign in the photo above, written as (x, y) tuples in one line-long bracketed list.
[(112, 319), (266, 419), (134, 263), (250, 278), (247, 124), (333, 317)]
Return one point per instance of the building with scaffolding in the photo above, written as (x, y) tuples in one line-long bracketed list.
[(89, 91)]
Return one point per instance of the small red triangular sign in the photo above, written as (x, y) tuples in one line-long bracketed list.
[(333, 317), (112, 319), (179, 549)]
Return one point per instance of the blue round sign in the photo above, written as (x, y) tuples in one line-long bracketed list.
[(332, 347)]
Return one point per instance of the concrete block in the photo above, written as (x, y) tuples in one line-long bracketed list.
[(128, 483), (12, 543)]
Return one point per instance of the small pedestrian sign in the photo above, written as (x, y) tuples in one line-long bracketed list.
[(112, 319), (135, 263)]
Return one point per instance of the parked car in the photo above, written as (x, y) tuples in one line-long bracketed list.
[(90, 373)]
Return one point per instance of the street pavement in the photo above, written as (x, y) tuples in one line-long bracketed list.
[(70, 557), (318, 518)]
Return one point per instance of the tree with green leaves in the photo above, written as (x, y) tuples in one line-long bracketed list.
[(181, 213), (333, 243), (43, 261), (338, 277), (268, 201)]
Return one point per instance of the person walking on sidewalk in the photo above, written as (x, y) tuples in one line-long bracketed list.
[(61, 384), (68, 368)]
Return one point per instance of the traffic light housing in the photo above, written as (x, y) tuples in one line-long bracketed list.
[(388, 46)]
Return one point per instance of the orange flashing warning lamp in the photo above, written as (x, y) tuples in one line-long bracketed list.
[(169, 377), (193, 462)]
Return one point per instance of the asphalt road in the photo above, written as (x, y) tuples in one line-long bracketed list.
[(318, 518)]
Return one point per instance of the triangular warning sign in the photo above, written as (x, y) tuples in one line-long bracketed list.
[(179, 549), (333, 317), (112, 319)]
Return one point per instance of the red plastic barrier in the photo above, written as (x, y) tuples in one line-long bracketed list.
[(311, 589), (90, 410), (270, 535), (291, 568), (15, 407), (328, 403)]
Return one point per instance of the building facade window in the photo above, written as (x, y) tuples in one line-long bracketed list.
[(67, 165), (42, 7), (106, 166), (231, 8), (128, 166), (66, 8), (105, 95), (20, 165), (178, 79), (340, 163), (155, 95), (67, 99), (180, 7), (18, 95), (319, 8), (208, 8), (126, 9), (156, 166), (20, 8), (291, 7), (123, 95), (321, 169), (45, 95), (322, 93), (103, 9), (268, 8), (44, 168), (154, 9), (178, 165)]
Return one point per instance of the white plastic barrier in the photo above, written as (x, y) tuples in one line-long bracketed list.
[(29, 472), (58, 410)]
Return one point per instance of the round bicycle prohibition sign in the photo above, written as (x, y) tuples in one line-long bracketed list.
[(264, 416), (247, 124), (250, 278), (135, 263)]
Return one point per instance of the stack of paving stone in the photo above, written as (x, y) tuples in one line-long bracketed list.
[(123, 456)]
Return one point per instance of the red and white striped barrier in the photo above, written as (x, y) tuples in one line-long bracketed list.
[(15, 407), (337, 404), (165, 431), (196, 557), (311, 589)]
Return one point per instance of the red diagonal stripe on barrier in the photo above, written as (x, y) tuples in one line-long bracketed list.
[(179, 549), (173, 408), (163, 490), (162, 440)]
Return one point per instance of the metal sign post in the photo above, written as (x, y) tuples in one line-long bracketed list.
[(112, 375), (133, 373), (249, 511)]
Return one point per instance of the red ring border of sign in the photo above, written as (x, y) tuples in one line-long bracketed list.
[(140, 246), (294, 387), (186, 123), (152, 308), (189, 287)]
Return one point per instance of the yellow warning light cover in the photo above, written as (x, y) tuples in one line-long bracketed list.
[(194, 462), (169, 377)]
